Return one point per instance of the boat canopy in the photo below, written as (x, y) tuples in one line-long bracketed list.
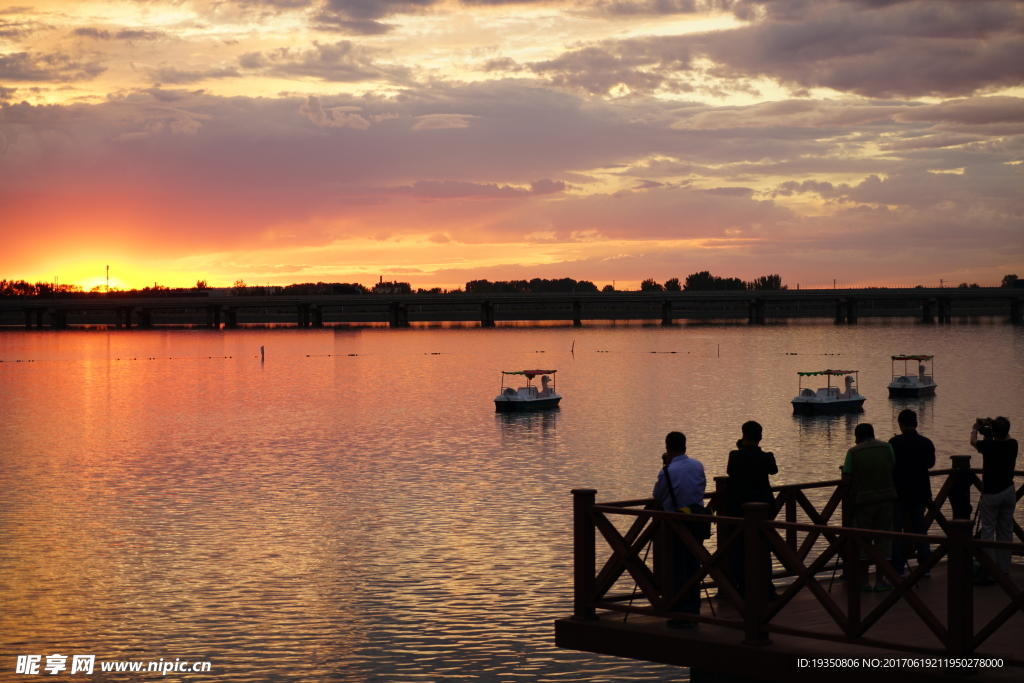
[(530, 374), (912, 357), (828, 372)]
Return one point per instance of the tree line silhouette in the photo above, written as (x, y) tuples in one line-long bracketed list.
[(704, 281), (700, 281)]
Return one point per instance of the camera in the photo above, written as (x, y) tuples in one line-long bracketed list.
[(984, 426)]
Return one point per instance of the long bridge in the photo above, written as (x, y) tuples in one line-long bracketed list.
[(935, 625), (216, 310)]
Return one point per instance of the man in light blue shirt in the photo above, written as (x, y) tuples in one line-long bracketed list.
[(680, 488)]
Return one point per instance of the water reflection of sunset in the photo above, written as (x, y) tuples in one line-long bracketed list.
[(361, 516)]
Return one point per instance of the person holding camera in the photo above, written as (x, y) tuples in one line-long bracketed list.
[(680, 488), (998, 498)]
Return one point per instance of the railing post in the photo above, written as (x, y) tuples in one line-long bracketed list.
[(722, 531), (757, 571), (959, 588), (960, 499), (846, 517), (791, 518), (584, 554)]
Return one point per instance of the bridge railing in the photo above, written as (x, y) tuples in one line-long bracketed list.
[(802, 551)]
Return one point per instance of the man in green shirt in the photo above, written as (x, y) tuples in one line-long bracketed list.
[(868, 467)]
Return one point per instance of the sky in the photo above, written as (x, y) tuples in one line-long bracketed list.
[(874, 142)]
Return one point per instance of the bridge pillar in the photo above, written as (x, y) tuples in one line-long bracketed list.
[(303, 315), (486, 314), (213, 317), (945, 309), (959, 591), (231, 316), (126, 311), (1016, 311), (318, 316), (577, 309), (58, 319), (927, 311), (146, 317), (28, 317), (666, 312), (755, 312), (399, 314), (851, 311), (840, 311)]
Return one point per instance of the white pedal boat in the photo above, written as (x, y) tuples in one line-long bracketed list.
[(529, 397), (827, 399), (921, 384)]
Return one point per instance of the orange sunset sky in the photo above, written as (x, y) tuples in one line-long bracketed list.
[(440, 141)]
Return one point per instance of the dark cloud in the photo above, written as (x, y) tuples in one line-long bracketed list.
[(881, 50), (7, 93), (358, 27), (58, 67), (502, 64), (173, 76), (341, 62), (89, 32), (896, 49), (630, 7), (370, 9), (123, 34), (280, 4), (791, 187), (16, 29)]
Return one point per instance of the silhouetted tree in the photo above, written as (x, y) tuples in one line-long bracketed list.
[(673, 285), (201, 284), (1008, 280), (607, 288), (651, 285), (704, 281), (766, 282), (566, 284)]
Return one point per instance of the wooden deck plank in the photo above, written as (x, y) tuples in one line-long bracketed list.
[(720, 648)]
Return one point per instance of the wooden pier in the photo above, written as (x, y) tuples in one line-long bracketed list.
[(844, 306), (935, 613)]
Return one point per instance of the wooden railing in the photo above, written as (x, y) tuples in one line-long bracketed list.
[(802, 551)]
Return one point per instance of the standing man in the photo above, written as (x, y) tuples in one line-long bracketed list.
[(998, 458), (915, 455), (749, 468), (680, 488), (868, 467)]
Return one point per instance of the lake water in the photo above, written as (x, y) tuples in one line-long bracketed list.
[(352, 509)]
